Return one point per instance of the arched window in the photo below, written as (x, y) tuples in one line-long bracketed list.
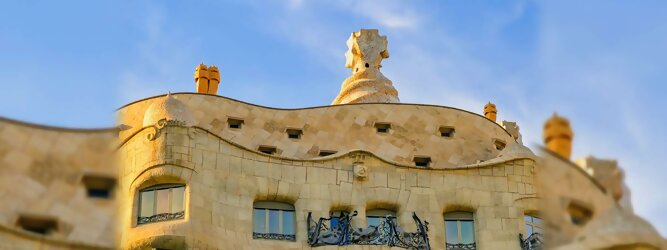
[(459, 230), (274, 221), (161, 203), (375, 216), (533, 224)]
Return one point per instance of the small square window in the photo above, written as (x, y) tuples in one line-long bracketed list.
[(267, 149), (37, 224), (579, 214), (422, 161), (99, 186), (235, 123), (447, 132), (294, 133), (500, 145), (327, 152), (382, 127)]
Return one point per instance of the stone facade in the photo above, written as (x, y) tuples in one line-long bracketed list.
[(43, 180)]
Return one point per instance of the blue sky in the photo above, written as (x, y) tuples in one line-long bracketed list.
[(600, 63)]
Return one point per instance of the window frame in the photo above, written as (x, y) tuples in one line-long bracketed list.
[(380, 214), (155, 202), (281, 207), (533, 224), (458, 217)]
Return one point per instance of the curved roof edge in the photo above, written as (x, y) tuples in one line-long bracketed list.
[(315, 107), (575, 166), (489, 163), (57, 128)]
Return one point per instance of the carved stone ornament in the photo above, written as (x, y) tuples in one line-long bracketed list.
[(162, 123), (360, 171)]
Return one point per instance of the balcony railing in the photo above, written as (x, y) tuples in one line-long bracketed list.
[(460, 246), (533, 242), (161, 217), (336, 230)]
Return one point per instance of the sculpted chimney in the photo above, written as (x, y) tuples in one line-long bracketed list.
[(366, 49), (490, 111), (207, 79), (558, 136)]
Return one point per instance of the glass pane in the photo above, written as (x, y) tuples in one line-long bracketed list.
[(177, 195), (334, 222), (258, 221), (288, 222), (273, 221), (147, 203), (451, 232), (537, 220), (529, 230), (373, 221), (467, 232), (527, 218), (163, 204)]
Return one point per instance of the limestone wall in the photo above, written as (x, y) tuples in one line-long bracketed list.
[(41, 171), (342, 128), (224, 179)]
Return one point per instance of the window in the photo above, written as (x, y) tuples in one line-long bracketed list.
[(579, 214), (533, 224), (267, 149), (294, 133), (382, 127), (99, 186), (235, 123), (499, 144), (447, 132), (422, 161), (274, 221), (459, 230), (376, 216), (327, 152), (161, 203), (37, 224)]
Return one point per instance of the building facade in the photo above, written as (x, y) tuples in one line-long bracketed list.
[(203, 171)]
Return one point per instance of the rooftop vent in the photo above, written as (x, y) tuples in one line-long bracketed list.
[(37, 224), (267, 149), (382, 127), (447, 132), (99, 186), (294, 133), (327, 152), (235, 123), (422, 161), (500, 145)]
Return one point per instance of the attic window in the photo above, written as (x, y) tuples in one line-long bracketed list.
[(294, 133), (235, 123), (382, 127), (422, 161), (267, 149), (579, 214), (447, 132), (99, 186), (37, 224), (327, 152), (500, 145)]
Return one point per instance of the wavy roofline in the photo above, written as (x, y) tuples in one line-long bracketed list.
[(57, 128), (316, 107)]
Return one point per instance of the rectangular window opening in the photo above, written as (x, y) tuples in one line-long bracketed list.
[(267, 149), (447, 132), (235, 123), (38, 225), (422, 161), (327, 152), (294, 133), (500, 145), (382, 127), (99, 186)]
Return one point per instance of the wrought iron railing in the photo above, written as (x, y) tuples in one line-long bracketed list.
[(161, 217), (533, 242), (274, 236), (336, 230), (460, 246)]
